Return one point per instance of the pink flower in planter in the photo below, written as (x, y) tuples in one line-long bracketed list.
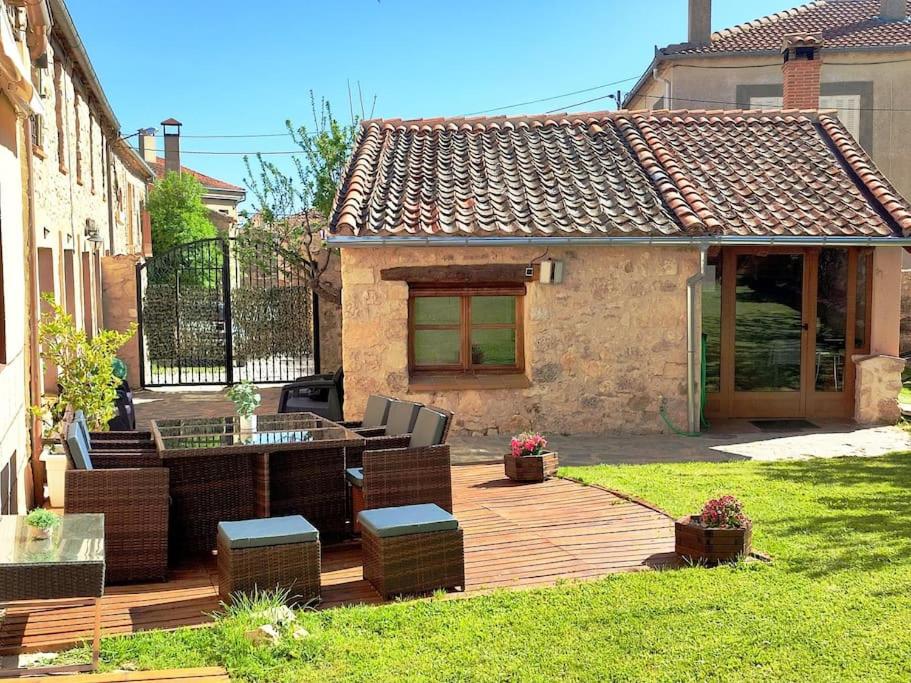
[(528, 443), (725, 512)]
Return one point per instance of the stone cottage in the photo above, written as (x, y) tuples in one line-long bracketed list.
[(591, 272)]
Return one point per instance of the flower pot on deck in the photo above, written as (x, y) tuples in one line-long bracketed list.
[(698, 543), (531, 468), (56, 464)]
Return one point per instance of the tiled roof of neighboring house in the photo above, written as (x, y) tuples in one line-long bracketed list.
[(616, 173), (843, 24), (207, 181)]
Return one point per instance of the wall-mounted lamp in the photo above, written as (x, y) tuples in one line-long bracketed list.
[(551, 272)]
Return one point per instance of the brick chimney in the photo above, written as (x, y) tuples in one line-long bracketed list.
[(802, 53), (170, 129), (147, 145), (699, 27), (893, 10)]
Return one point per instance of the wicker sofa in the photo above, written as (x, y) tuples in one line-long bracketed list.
[(131, 490)]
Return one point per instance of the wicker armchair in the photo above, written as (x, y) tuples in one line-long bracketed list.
[(131, 490), (395, 433), (409, 473)]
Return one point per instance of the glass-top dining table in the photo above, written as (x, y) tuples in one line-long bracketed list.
[(223, 469)]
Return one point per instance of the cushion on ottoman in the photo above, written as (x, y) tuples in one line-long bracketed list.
[(258, 533), (406, 520)]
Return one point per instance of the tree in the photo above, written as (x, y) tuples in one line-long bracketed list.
[(290, 209), (177, 212)]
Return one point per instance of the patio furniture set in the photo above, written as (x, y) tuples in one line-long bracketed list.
[(266, 498)]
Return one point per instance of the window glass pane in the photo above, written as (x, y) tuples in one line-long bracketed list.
[(860, 314), (436, 347), (437, 310), (493, 346), (711, 325), (831, 319), (767, 328), (493, 309)]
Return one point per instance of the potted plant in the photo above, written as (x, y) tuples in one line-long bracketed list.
[(720, 533), (86, 380), (246, 399), (529, 460), (42, 522)]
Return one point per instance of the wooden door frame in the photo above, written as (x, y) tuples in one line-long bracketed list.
[(805, 402)]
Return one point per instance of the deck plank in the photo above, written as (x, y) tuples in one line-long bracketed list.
[(214, 674), (516, 536)]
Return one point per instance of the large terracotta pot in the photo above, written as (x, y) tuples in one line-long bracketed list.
[(531, 468), (711, 546)]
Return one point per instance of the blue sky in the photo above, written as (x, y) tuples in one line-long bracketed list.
[(229, 67)]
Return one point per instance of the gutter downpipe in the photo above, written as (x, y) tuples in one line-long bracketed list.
[(693, 287), (668, 90)]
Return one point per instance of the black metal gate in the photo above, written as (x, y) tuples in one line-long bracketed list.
[(208, 315)]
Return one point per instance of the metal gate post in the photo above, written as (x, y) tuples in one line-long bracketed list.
[(229, 323), (140, 330), (314, 315)]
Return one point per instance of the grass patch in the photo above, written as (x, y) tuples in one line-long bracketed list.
[(834, 605)]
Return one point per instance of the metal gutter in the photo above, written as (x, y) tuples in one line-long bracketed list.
[(373, 241)]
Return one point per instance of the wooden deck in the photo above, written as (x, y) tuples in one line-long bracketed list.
[(515, 536), (212, 674)]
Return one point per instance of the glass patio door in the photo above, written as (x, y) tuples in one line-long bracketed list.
[(781, 326), (769, 333)]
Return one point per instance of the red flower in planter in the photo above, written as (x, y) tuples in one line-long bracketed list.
[(725, 512), (528, 443)]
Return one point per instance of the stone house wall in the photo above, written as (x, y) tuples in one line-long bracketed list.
[(84, 179), (601, 349)]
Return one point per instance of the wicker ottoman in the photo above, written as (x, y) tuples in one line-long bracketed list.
[(266, 554), (412, 549)]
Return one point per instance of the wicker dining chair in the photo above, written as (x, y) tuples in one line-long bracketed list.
[(131, 490), (396, 433), (418, 472), (117, 441)]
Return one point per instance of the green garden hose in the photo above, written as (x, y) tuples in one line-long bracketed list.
[(662, 409)]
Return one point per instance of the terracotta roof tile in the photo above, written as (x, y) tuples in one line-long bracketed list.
[(158, 166), (841, 23), (615, 173)]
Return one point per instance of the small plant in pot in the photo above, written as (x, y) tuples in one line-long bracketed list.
[(42, 522), (529, 460), (720, 533), (246, 399)]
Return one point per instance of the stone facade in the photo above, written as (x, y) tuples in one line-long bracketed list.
[(876, 389), (601, 349), (330, 320)]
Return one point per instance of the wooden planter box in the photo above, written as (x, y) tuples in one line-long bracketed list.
[(531, 468), (699, 544)]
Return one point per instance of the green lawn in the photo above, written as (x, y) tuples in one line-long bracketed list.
[(834, 605)]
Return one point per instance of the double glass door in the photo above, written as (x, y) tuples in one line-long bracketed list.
[(781, 327)]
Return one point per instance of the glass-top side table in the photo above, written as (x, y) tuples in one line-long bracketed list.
[(66, 567)]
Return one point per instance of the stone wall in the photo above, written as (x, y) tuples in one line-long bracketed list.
[(330, 320), (876, 389), (119, 297), (601, 348)]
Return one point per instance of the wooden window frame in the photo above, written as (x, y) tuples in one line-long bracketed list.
[(465, 327)]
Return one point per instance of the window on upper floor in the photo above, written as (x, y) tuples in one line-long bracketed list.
[(77, 129), (92, 152), (59, 117), (465, 329), (37, 127), (847, 106)]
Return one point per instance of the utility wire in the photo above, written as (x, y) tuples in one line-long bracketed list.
[(552, 97)]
